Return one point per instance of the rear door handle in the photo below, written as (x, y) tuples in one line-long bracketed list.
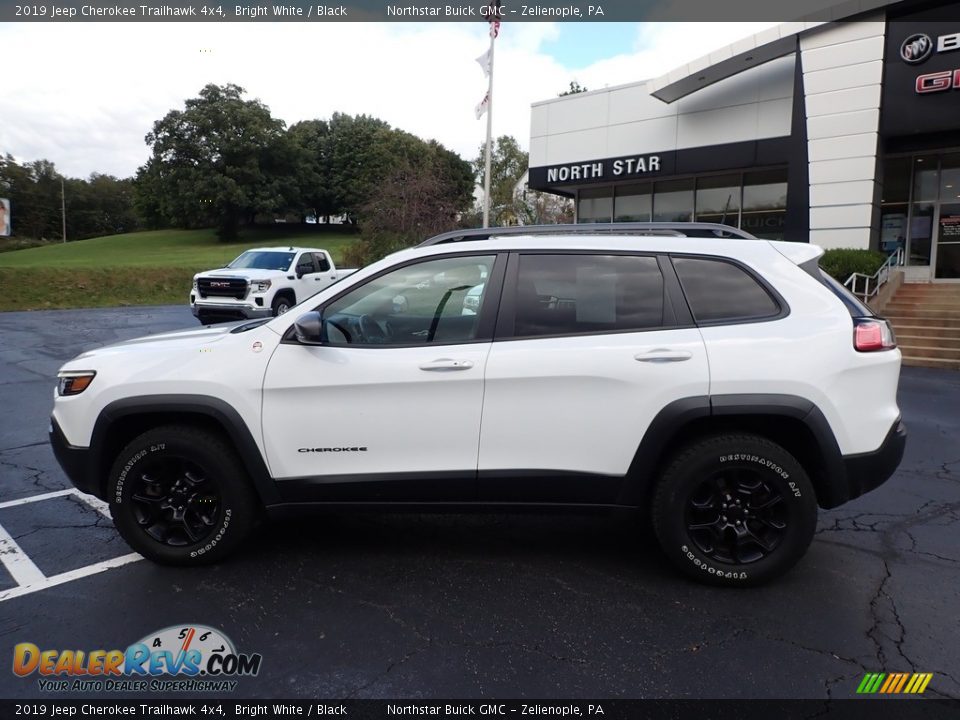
[(663, 355), (446, 364)]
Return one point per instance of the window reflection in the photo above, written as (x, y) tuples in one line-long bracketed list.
[(596, 205), (633, 203), (673, 201), (755, 201)]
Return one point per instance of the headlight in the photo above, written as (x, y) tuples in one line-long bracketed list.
[(194, 283), (261, 285), (74, 382)]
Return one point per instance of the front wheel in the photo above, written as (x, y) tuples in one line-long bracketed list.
[(281, 304), (180, 496), (734, 510)]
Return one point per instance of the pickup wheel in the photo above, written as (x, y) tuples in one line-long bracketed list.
[(180, 496), (734, 510), (282, 303)]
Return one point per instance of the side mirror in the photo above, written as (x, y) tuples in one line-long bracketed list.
[(309, 328)]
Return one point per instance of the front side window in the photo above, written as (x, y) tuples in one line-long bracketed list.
[(719, 291), (305, 265), (576, 294), (437, 301), (263, 260)]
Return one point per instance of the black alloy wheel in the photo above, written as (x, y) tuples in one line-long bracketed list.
[(175, 502), (735, 517)]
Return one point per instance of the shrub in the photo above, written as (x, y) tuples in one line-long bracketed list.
[(841, 262)]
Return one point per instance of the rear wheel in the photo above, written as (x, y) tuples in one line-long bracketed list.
[(180, 496), (734, 510)]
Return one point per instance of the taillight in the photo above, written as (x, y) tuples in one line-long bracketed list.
[(871, 334)]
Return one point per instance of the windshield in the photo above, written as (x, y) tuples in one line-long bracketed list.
[(263, 260)]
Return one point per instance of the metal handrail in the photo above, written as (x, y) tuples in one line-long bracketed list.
[(672, 229), (895, 259)]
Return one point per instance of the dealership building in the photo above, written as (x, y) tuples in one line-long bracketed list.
[(843, 133)]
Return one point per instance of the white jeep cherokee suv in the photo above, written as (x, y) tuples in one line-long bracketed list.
[(723, 385)]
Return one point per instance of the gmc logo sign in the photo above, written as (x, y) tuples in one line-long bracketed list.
[(938, 81)]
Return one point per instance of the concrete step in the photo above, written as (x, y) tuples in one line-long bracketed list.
[(918, 340), (929, 352), (910, 328), (909, 304), (912, 361), (918, 320), (907, 291), (926, 313)]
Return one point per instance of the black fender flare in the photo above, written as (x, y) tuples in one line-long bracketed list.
[(212, 408), (674, 419)]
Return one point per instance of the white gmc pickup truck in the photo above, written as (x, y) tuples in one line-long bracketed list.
[(262, 282)]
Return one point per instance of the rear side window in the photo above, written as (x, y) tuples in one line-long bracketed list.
[(576, 294), (719, 291)]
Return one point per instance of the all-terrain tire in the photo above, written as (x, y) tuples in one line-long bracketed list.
[(179, 495), (734, 510)]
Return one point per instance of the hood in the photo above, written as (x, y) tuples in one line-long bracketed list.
[(246, 273), (179, 339)]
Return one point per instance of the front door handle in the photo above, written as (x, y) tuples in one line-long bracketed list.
[(663, 355), (446, 364)]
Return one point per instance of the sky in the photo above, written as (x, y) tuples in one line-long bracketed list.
[(84, 95)]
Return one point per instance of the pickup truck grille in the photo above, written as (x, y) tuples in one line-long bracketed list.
[(223, 287)]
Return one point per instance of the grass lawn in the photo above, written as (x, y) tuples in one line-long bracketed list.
[(147, 268)]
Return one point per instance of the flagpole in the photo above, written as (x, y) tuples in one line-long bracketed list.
[(486, 176)]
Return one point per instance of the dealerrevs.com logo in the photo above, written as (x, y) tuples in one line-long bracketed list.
[(180, 658)]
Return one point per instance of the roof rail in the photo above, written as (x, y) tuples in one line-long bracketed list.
[(675, 229)]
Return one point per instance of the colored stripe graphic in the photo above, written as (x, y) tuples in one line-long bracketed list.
[(894, 683), (891, 681)]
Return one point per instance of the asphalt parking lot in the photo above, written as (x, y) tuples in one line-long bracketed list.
[(488, 606)]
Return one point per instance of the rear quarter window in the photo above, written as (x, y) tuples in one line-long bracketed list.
[(849, 300), (720, 291)]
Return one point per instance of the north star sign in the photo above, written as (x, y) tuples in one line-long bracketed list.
[(619, 168)]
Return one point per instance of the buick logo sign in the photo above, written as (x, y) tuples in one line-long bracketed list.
[(916, 48)]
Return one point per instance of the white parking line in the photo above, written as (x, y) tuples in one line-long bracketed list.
[(36, 498), (70, 575), (15, 560), (24, 571)]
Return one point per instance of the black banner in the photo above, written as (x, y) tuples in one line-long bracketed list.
[(867, 709), (421, 10)]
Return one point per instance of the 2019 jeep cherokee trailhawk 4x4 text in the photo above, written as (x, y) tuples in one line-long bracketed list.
[(723, 385)]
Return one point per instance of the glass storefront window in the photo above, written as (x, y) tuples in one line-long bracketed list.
[(632, 203), (765, 203), (595, 205), (673, 201), (718, 199), (894, 204), (925, 190), (948, 227)]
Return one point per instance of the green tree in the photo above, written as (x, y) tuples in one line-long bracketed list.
[(220, 160), (423, 193), (508, 163), (100, 205), (363, 152), (575, 89), (34, 193), (312, 143)]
